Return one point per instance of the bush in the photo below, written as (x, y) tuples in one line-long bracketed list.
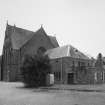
[(34, 70)]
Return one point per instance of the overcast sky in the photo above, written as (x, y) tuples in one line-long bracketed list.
[(80, 23)]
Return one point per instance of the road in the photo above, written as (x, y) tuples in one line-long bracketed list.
[(15, 94)]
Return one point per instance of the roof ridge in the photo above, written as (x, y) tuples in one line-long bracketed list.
[(22, 28), (17, 33), (18, 29), (68, 50)]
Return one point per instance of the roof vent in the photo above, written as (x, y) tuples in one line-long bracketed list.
[(76, 50)]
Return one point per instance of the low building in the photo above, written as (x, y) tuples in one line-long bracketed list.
[(70, 66)]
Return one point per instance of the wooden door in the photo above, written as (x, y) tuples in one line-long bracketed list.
[(70, 78)]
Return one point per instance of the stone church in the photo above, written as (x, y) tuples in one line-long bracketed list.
[(19, 42)]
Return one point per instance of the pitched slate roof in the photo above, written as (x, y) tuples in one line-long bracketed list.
[(65, 51), (54, 41), (20, 37)]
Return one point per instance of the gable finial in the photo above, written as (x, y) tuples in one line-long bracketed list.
[(7, 22), (14, 25), (14, 28), (41, 25)]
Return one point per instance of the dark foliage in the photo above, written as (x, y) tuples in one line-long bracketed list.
[(99, 61), (34, 70)]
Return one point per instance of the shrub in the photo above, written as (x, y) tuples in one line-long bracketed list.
[(34, 70)]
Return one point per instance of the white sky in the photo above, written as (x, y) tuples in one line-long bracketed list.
[(80, 23)]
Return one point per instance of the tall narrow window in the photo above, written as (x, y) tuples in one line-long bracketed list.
[(79, 64), (95, 76), (101, 75)]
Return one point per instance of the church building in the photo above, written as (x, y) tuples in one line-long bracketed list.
[(19, 42)]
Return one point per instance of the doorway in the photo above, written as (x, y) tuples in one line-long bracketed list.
[(70, 78)]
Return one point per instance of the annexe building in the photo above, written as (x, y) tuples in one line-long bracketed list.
[(19, 42), (70, 66)]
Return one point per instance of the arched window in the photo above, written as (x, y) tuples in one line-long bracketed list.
[(41, 50)]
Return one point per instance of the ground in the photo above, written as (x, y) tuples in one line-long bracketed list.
[(16, 94)]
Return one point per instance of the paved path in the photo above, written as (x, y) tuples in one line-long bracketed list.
[(15, 94), (97, 88)]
